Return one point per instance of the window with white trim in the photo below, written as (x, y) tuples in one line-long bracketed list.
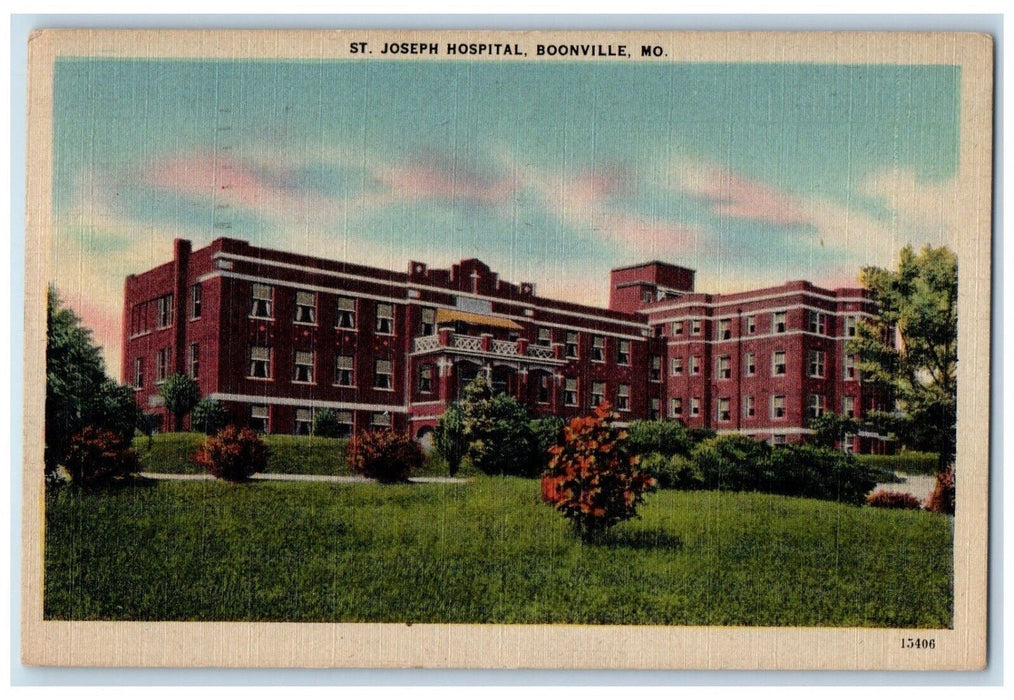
[(695, 406), (346, 313), (304, 421), (385, 318), (778, 322), (195, 360), (675, 407), (778, 439), (750, 364), (383, 377), (655, 369), (778, 406), (163, 359), (164, 307), (543, 387), (424, 379), (654, 412), (306, 307), (381, 419), (695, 364), (598, 393), (724, 331), (570, 391), (676, 328), (815, 405), (724, 369), (848, 406), (723, 412), (751, 324), (695, 326), (675, 366), (138, 372), (427, 321), (260, 362), (344, 421), (345, 370), (623, 397), (850, 326), (544, 337), (303, 369), (749, 406), (818, 322), (259, 419), (623, 352), (195, 300), (849, 367), (778, 366), (261, 300), (817, 359), (571, 346), (598, 349)]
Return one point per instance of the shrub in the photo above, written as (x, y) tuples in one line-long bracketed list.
[(817, 472), (233, 454), (667, 438), (180, 393), (893, 499), (97, 456), (384, 455), (942, 498), (546, 432), (591, 478), (327, 424), (732, 462), (208, 416), (905, 462)]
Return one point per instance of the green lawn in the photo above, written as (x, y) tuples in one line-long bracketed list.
[(485, 551)]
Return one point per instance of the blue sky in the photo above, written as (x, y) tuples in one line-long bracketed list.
[(553, 173)]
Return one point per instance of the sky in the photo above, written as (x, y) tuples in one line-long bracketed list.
[(550, 172)]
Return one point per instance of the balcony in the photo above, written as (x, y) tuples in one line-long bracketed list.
[(488, 346)]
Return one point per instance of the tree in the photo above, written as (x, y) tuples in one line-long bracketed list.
[(180, 394), (78, 392), (910, 348), (208, 416), (830, 429)]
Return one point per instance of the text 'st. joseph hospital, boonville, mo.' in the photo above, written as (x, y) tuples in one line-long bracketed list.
[(276, 336)]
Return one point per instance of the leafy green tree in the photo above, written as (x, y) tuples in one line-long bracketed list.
[(208, 416), (664, 437), (449, 437), (910, 348), (830, 429), (180, 394), (78, 392)]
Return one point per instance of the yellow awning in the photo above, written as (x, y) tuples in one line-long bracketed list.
[(451, 315)]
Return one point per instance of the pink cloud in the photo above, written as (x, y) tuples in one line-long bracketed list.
[(741, 197), (432, 180)]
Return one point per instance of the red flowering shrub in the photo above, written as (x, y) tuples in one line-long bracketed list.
[(591, 478), (942, 498), (893, 499), (98, 456), (233, 454), (384, 455)]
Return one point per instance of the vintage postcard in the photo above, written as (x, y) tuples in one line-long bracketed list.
[(619, 350)]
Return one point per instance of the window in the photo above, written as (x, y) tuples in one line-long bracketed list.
[(778, 439), (260, 363), (751, 324), (816, 363), (164, 311), (778, 363), (778, 406), (850, 326), (815, 405), (695, 406), (344, 420), (570, 392), (675, 407), (306, 307), (849, 367), (382, 375), (262, 296), (542, 388), (695, 326), (138, 372), (646, 296), (655, 369), (623, 352), (385, 318), (344, 370), (848, 406), (162, 360), (598, 350), (676, 328), (675, 366), (571, 347), (303, 371), (424, 379), (723, 371), (304, 421), (818, 322), (195, 360), (695, 364), (544, 337), (623, 397), (259, 419), (598, 393), (139, 318), (724, 331), (381, 420), (778, 324), (656, 407), (427, 321), (749, 407), (346, 316), (750, 364), (722, 411), (195, 300)]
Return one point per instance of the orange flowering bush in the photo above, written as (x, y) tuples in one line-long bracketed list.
[(591, 478), (233, 454), (893, 499), (384, 455), (98, 456), (942, 498)]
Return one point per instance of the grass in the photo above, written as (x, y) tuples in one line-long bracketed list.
[(903, 463), (289, 454), (487, 551)]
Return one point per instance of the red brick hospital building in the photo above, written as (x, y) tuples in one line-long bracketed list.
[(276, 336)]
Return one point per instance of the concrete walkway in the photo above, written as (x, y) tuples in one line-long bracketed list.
[(325, 478), (919, 485)]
